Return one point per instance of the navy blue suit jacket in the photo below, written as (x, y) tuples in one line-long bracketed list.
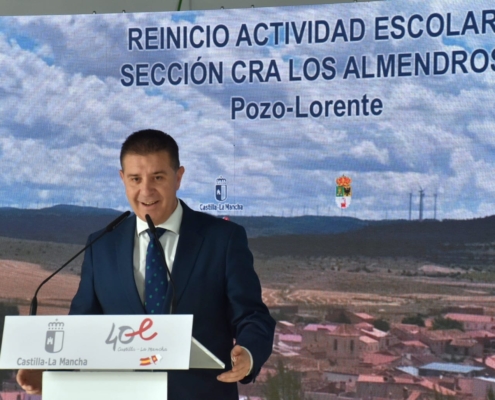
[(215, 281)]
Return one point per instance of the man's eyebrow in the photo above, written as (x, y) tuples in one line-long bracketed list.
[(153, 173)]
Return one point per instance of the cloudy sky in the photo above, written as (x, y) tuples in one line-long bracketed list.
[(64, 114)]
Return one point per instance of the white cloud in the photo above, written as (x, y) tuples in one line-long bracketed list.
[(368, 150)]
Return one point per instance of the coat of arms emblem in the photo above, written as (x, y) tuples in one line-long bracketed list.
[(343, 192), (54, 341), (221, 189)]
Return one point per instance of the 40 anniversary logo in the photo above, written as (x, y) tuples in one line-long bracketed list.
[(126, 334)]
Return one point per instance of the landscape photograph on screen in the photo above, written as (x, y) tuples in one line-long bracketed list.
[(355, 143)]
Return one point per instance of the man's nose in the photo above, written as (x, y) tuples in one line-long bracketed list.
[(147, 186)]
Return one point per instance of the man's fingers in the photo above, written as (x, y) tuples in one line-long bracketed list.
[(238, 372), (236, 354), (30, 380), (230, 376), (31, 390), (241, 364), (237, 351)]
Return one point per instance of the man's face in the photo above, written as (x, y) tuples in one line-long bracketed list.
[(151, 185)]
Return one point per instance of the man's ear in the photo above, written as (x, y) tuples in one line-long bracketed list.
[(179, 174)]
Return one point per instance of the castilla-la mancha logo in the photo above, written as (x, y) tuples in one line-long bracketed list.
[(343, 192), (221, 195), (54, 337), (221, 189)]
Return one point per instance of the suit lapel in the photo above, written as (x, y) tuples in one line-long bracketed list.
[(125, 249), (190, 242)]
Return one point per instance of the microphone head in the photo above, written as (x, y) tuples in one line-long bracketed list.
[(117, 221), (151, 225), (125, 215)]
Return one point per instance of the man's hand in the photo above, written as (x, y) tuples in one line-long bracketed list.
[(241, 364), (30, 380)]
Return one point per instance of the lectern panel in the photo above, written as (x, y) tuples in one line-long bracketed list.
[(104, 385)]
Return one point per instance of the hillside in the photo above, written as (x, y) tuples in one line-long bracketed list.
[(460, 242), (466, 242)]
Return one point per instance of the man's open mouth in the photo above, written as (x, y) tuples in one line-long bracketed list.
[(149, 204)]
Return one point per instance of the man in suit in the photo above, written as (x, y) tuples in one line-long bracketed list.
[(211, 264)]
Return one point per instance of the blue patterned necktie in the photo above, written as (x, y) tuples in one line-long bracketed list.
[(156, 282)]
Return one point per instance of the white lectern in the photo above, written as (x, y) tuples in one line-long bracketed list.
[(105, 356)]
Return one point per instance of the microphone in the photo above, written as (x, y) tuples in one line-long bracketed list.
[(109, 228), (152, 229)]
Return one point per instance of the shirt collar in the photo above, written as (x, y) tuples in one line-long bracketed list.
[(171, 224)]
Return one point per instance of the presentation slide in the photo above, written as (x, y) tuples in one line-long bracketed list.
[(354, 142)]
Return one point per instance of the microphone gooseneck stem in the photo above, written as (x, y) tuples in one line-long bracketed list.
[(110, 227)]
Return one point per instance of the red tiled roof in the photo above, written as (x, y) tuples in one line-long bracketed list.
[(367, 339), (405, 380), (480, 334), (415, 395), (489, 361), (463, 342), (414, 343), (436, 388), (447, 334), (375, 333), (346, 330), (364, 316), (470, 318), (363, 325), (290, 338), (316, 327), (15, 395), (379, 359)]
